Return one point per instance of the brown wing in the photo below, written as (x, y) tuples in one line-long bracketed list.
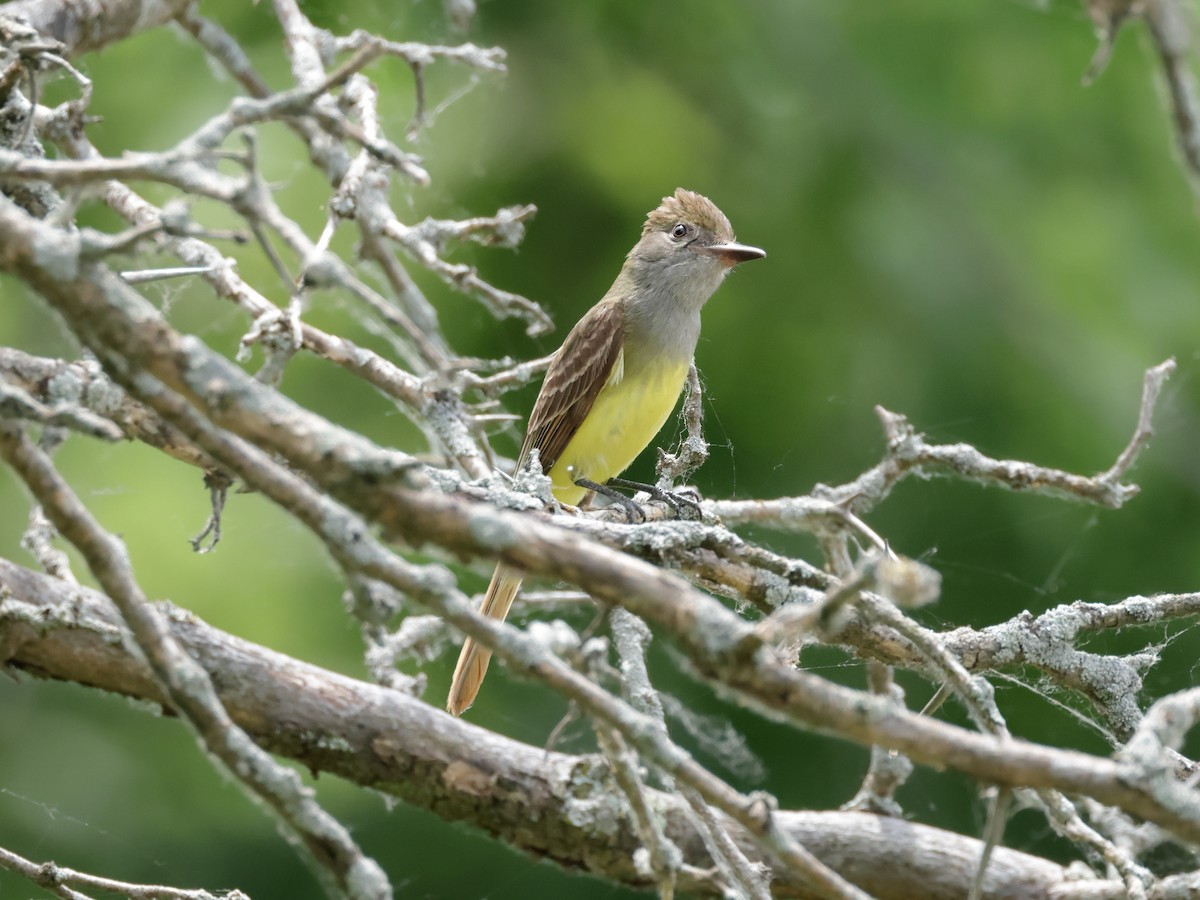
[(580, 369)]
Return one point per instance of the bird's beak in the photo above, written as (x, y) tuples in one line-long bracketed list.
[(730, 254)]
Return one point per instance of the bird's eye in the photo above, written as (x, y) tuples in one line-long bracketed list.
[(679, 231)]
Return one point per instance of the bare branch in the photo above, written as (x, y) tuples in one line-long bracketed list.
[(17, 404), (61, 881), (630, 637), (489, 59), (1167, 23), (1152, 386), (665, 859), (82, 385), (908, 454), (83, 27)]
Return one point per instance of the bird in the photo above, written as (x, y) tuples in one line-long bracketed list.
[(616, 378)]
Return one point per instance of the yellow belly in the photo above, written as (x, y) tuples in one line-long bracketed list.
[(624, 419)]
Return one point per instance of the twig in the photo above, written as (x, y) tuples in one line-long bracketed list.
[(513, 375), (56, 383), (1152, 385), (993, 836), (887, 770), (144, 276), (908, 454), (505, 229), (499, 302), (1107, 16), (61, 881), (664, 857), (15, 403), (218, 484), (1167, 23), (490, 59), (693, 451), (38, 539), (631, 637), (1112, 683)]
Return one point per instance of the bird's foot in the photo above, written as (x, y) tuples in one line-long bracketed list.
[(633, 512), (685, 503)]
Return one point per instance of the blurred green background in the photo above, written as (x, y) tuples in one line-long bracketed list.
[(956, 229)]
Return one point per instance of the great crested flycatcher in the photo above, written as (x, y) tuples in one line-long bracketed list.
[(617, 376)]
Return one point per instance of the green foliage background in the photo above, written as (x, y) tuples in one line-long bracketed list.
[(956, 229)]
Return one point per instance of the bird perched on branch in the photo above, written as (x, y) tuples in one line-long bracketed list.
[(617, 376)]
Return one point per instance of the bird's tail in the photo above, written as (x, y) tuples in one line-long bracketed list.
[(473, 661)]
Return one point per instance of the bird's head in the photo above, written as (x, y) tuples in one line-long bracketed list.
[(688, 244)]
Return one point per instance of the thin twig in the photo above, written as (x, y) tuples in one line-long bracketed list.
[(993, 836), (664, 857), (61, 881), (1166, 21), (1152, 385)]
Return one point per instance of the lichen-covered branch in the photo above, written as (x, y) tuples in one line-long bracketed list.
[(82, 27)]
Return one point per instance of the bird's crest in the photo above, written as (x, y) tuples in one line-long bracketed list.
[(688, 206)]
